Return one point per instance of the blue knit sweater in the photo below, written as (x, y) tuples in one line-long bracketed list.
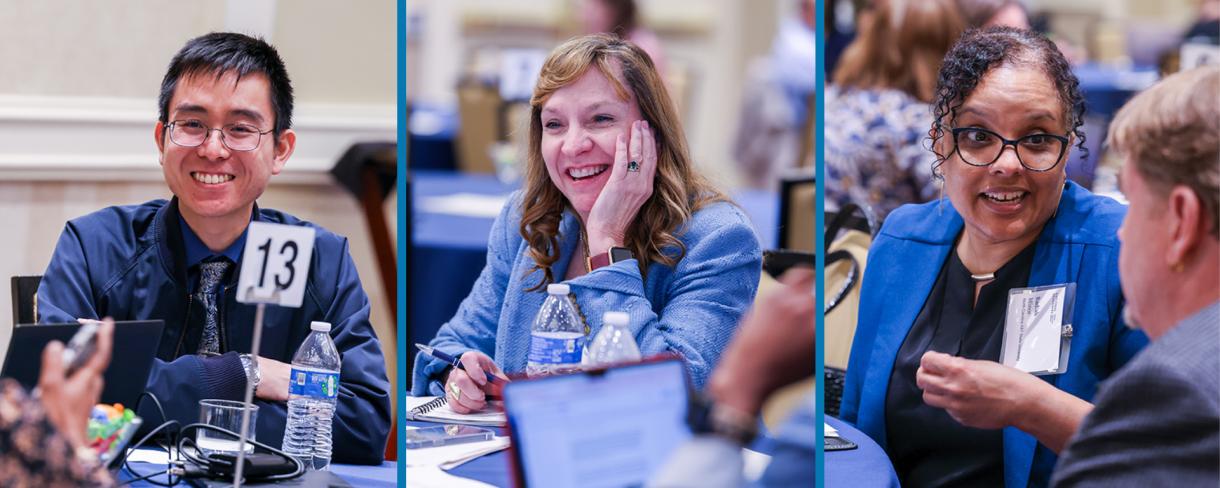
[(691, 308)]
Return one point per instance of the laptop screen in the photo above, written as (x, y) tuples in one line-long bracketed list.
[(615, 428)]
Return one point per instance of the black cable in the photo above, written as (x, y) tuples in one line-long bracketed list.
[(182, 437), (156, 402), (189, 453), (169, 441), (169, 462), (149, 477)]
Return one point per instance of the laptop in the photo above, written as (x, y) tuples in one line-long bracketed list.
[(611, 427), (135, 347)]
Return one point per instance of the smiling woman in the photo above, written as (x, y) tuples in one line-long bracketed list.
[(923, 379), (612, 207)]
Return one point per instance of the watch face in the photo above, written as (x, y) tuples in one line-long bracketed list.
[(620, 254)]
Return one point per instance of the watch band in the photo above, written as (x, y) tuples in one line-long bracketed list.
[(614, 255), (253, 374), (707, 417), (599, 261)]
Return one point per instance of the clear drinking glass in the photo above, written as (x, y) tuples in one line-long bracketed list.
[(225, 414)]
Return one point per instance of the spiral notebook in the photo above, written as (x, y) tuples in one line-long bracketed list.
[(436, 409)]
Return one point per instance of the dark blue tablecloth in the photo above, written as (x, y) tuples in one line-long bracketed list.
[(431, 137), (1105, 90), (864, 467), (448, 251)]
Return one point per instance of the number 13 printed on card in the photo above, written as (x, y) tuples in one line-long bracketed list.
[(275, 264)]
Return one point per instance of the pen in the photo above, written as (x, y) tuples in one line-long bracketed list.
[(456, 362)]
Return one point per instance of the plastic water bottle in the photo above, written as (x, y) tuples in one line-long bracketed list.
[(557, 338), (614, 342), (313, 390)]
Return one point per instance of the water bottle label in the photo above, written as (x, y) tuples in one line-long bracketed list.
[(314, 384), (552, 350)]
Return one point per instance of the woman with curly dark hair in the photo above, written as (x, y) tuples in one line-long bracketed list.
[(924, 378), (614, 208)]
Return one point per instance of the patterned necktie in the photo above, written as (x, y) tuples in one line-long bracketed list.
[(210, 276)]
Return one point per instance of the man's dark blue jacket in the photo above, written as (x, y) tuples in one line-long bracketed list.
[(128, 263)]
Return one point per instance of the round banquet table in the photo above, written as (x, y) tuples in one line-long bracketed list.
[(866, 466)]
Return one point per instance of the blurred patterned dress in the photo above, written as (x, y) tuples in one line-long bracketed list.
[(33, 453), (877, 149)]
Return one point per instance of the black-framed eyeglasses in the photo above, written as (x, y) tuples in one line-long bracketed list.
[(236, 137), (982, 147)]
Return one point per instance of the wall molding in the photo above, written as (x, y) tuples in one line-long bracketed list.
[(69, 138)]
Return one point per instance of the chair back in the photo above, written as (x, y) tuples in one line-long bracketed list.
[(25, 299), (796, 208), (848, 237)]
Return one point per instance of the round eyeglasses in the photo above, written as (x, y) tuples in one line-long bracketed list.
[(981, 147), (236, 137)]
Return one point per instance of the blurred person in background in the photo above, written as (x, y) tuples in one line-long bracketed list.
[(43, 437), (994, 13), (924, 379), (1157, 421), (1206, 27), (607, 167), (778, 102), (622, 18), (877, 114)]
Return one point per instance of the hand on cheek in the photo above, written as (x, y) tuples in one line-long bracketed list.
[(629, 186)]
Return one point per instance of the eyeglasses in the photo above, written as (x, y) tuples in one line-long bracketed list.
[(981, 147), (236, 137)]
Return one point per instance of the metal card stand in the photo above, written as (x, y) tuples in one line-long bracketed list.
[(249, 398)]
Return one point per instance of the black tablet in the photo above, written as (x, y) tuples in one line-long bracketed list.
[(135, 346)]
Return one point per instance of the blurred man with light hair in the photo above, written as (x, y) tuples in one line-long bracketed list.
[(1157, 421)]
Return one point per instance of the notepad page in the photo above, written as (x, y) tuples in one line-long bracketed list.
[(491, 415)]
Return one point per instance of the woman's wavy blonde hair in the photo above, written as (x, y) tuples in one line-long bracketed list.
[(678, 191)]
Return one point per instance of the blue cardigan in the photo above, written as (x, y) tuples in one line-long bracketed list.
[(691, 308), (1079, 245)]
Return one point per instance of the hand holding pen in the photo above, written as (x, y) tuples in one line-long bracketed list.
[(474, 378)]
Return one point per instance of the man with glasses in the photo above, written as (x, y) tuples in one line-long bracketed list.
[(224, 130)]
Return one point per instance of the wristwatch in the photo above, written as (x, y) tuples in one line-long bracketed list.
[(707, 417), (250, 364), (615, 255)]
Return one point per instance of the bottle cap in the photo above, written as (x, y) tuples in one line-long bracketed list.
[(557, 289), (620, 319), (319, 326)]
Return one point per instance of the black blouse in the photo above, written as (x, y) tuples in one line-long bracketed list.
[(925, 444)]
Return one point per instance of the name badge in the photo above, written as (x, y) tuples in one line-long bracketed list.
[(1038, 329)]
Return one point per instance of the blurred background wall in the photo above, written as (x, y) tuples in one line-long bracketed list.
[(78, 105), (709, 45)]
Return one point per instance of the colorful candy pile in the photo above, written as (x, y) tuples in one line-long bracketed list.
[(107, 425)]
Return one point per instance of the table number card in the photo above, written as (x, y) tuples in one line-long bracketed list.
[(275, 264)]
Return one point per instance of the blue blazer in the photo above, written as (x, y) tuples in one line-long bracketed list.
[(1079, 244), (691, 308)]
